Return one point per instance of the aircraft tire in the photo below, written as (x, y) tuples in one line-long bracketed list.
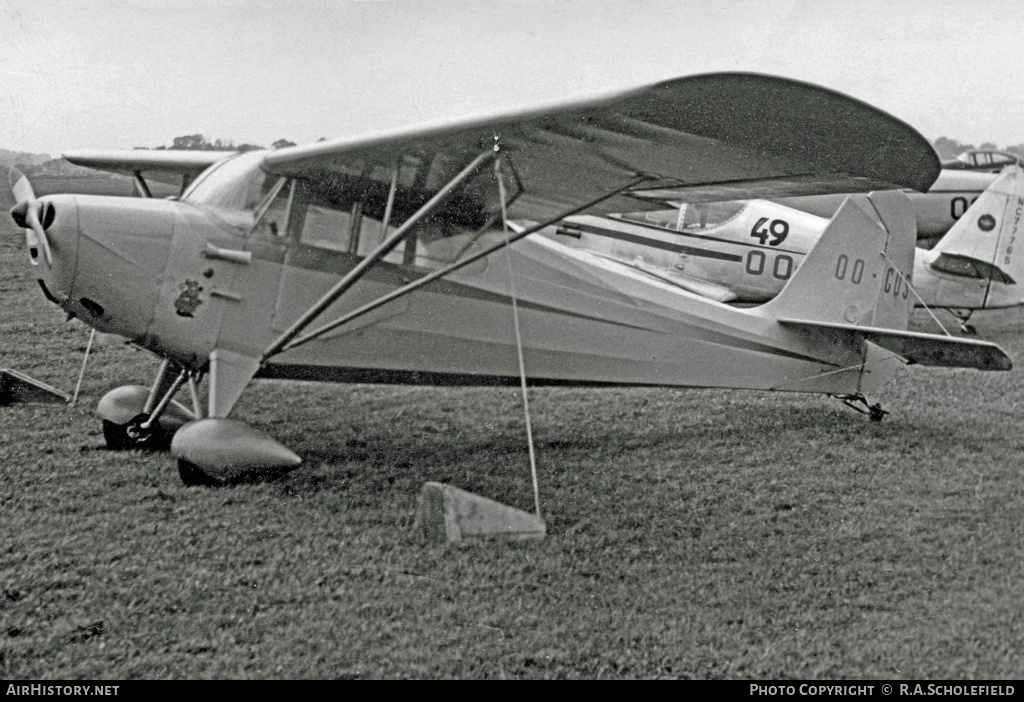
[(194, 476), (125, 437)]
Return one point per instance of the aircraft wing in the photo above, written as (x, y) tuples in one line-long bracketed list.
[(163, 165), (917, 347), (708, 137)]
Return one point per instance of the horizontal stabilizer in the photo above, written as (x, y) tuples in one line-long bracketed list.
[(917, 347), (18, 387)]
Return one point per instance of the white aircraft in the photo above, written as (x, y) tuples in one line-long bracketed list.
[(937, 210), (983, 160), (747, 251), (225, 283)]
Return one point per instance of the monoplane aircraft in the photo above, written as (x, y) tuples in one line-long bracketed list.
[(747, 251), (983, 160), (289, 263), (937, 210)]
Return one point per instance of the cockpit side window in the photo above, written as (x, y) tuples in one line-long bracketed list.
[(319, 218), (343, 209), (272, 215), (239, 184)]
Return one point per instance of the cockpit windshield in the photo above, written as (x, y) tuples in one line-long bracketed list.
[(693, 217), (238, 184)]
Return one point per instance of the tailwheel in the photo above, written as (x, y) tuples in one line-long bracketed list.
[(194, 476), (963, 316), (874, 411), (133, 435)]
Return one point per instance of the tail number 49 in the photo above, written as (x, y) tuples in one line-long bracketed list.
[(777, 231)]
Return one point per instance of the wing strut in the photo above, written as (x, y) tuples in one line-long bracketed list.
[(397, 237), (141, 186), (291, 342)]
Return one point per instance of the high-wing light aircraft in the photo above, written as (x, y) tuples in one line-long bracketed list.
[(747, 251), (289, 263)]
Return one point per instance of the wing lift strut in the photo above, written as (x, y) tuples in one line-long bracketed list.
[(291, 338), (216, 449), (142, 187)]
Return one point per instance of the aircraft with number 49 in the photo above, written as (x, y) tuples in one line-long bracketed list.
[(289, 263), (747, 251), (937, 210)]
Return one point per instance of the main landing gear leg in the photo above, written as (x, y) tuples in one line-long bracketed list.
[(874, 412), (130, 413)]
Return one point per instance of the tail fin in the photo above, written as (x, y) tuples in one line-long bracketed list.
[(858, 271), (855, 281), (982, 242)]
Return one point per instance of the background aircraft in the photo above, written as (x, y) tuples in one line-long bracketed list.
[(937, 210), (747, 251), (225, 282), (983, 160)]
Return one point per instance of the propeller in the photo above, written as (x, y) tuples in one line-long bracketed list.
[(29, 214)]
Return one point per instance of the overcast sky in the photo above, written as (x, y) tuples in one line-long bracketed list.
[(125, 73)]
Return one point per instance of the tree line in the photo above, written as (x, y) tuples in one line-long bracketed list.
[(198, 142)]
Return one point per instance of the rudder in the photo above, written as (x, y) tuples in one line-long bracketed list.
[(858, 272), (986, 234)]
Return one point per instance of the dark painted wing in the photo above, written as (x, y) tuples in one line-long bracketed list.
[(709, 137)]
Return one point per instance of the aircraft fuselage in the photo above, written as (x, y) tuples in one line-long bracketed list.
[(183, 282), (946, 201)]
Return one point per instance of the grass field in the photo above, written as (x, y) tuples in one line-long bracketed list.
[(691, 534)]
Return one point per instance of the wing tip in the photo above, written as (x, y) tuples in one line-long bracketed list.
[(842, 130)]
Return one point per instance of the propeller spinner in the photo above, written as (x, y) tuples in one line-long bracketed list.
[(31, 215)]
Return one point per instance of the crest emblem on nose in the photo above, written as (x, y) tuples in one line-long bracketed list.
[(189, 299)]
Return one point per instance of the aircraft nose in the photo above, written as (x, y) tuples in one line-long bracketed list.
[(122, 248), (51, 235)]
